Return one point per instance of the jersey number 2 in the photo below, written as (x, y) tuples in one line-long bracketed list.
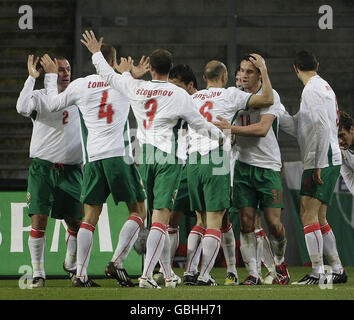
[(105, 110)]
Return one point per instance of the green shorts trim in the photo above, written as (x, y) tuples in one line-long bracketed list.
[(208, 190), (111, 176), (257, 187), (54, 188), (161, 178), (323, 192)]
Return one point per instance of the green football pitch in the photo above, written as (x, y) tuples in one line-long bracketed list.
[(56, 289)]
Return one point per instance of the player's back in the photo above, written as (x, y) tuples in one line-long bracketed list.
[(157, 106), (211, 103), (318, 107), (104, 112)]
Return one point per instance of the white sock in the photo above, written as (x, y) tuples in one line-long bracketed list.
[(229, 246), (165, 258), (314, 244), (259, 249), (330, 249), (279, 246), (173, 234), (268, 257), (194, 249), (211, 246), (71, 249), (84, 247), (127, 237), (36, 244), (248, 248), (154, 246)]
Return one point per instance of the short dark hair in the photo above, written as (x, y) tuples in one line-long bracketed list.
[(108, 51), (305, 61), (161, 60), (247, 57), (214, 69), (237, 70), (183, 73), (345, 121)]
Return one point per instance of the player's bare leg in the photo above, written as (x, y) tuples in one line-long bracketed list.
[(36, 244)]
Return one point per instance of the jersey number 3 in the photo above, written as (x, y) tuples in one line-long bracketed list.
[(151, 106), (105, 110)]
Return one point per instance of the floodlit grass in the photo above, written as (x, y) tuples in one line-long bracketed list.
[(109, 290)]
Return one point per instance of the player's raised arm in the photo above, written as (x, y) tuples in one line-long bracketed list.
[(266, 99), (25, 102)]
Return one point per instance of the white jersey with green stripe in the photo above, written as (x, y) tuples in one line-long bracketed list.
[(263, 152), (159, 107), (318, 125), (211, 103), (55, 135), (103, 111), (347, 169)]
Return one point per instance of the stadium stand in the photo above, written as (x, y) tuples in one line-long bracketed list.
[(194, 31)]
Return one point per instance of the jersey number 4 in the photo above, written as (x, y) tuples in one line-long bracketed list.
[(105, 111), (151, 106)]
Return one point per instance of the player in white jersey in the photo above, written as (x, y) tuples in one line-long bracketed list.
[(159, 108), (317, 134), (346, 142), (55, 173), (182, 76), (208, 166), (257, 179), (109, 165)]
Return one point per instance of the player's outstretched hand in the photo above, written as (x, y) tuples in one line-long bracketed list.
[(125, 65), (258, 61), (91, 42), (32, 67), (222, 124), (49, 65), (143, 67)]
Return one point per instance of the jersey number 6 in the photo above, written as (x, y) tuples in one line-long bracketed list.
[(207, 114), (151, 106)]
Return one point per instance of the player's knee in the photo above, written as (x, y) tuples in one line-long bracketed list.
[(39, 221)]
